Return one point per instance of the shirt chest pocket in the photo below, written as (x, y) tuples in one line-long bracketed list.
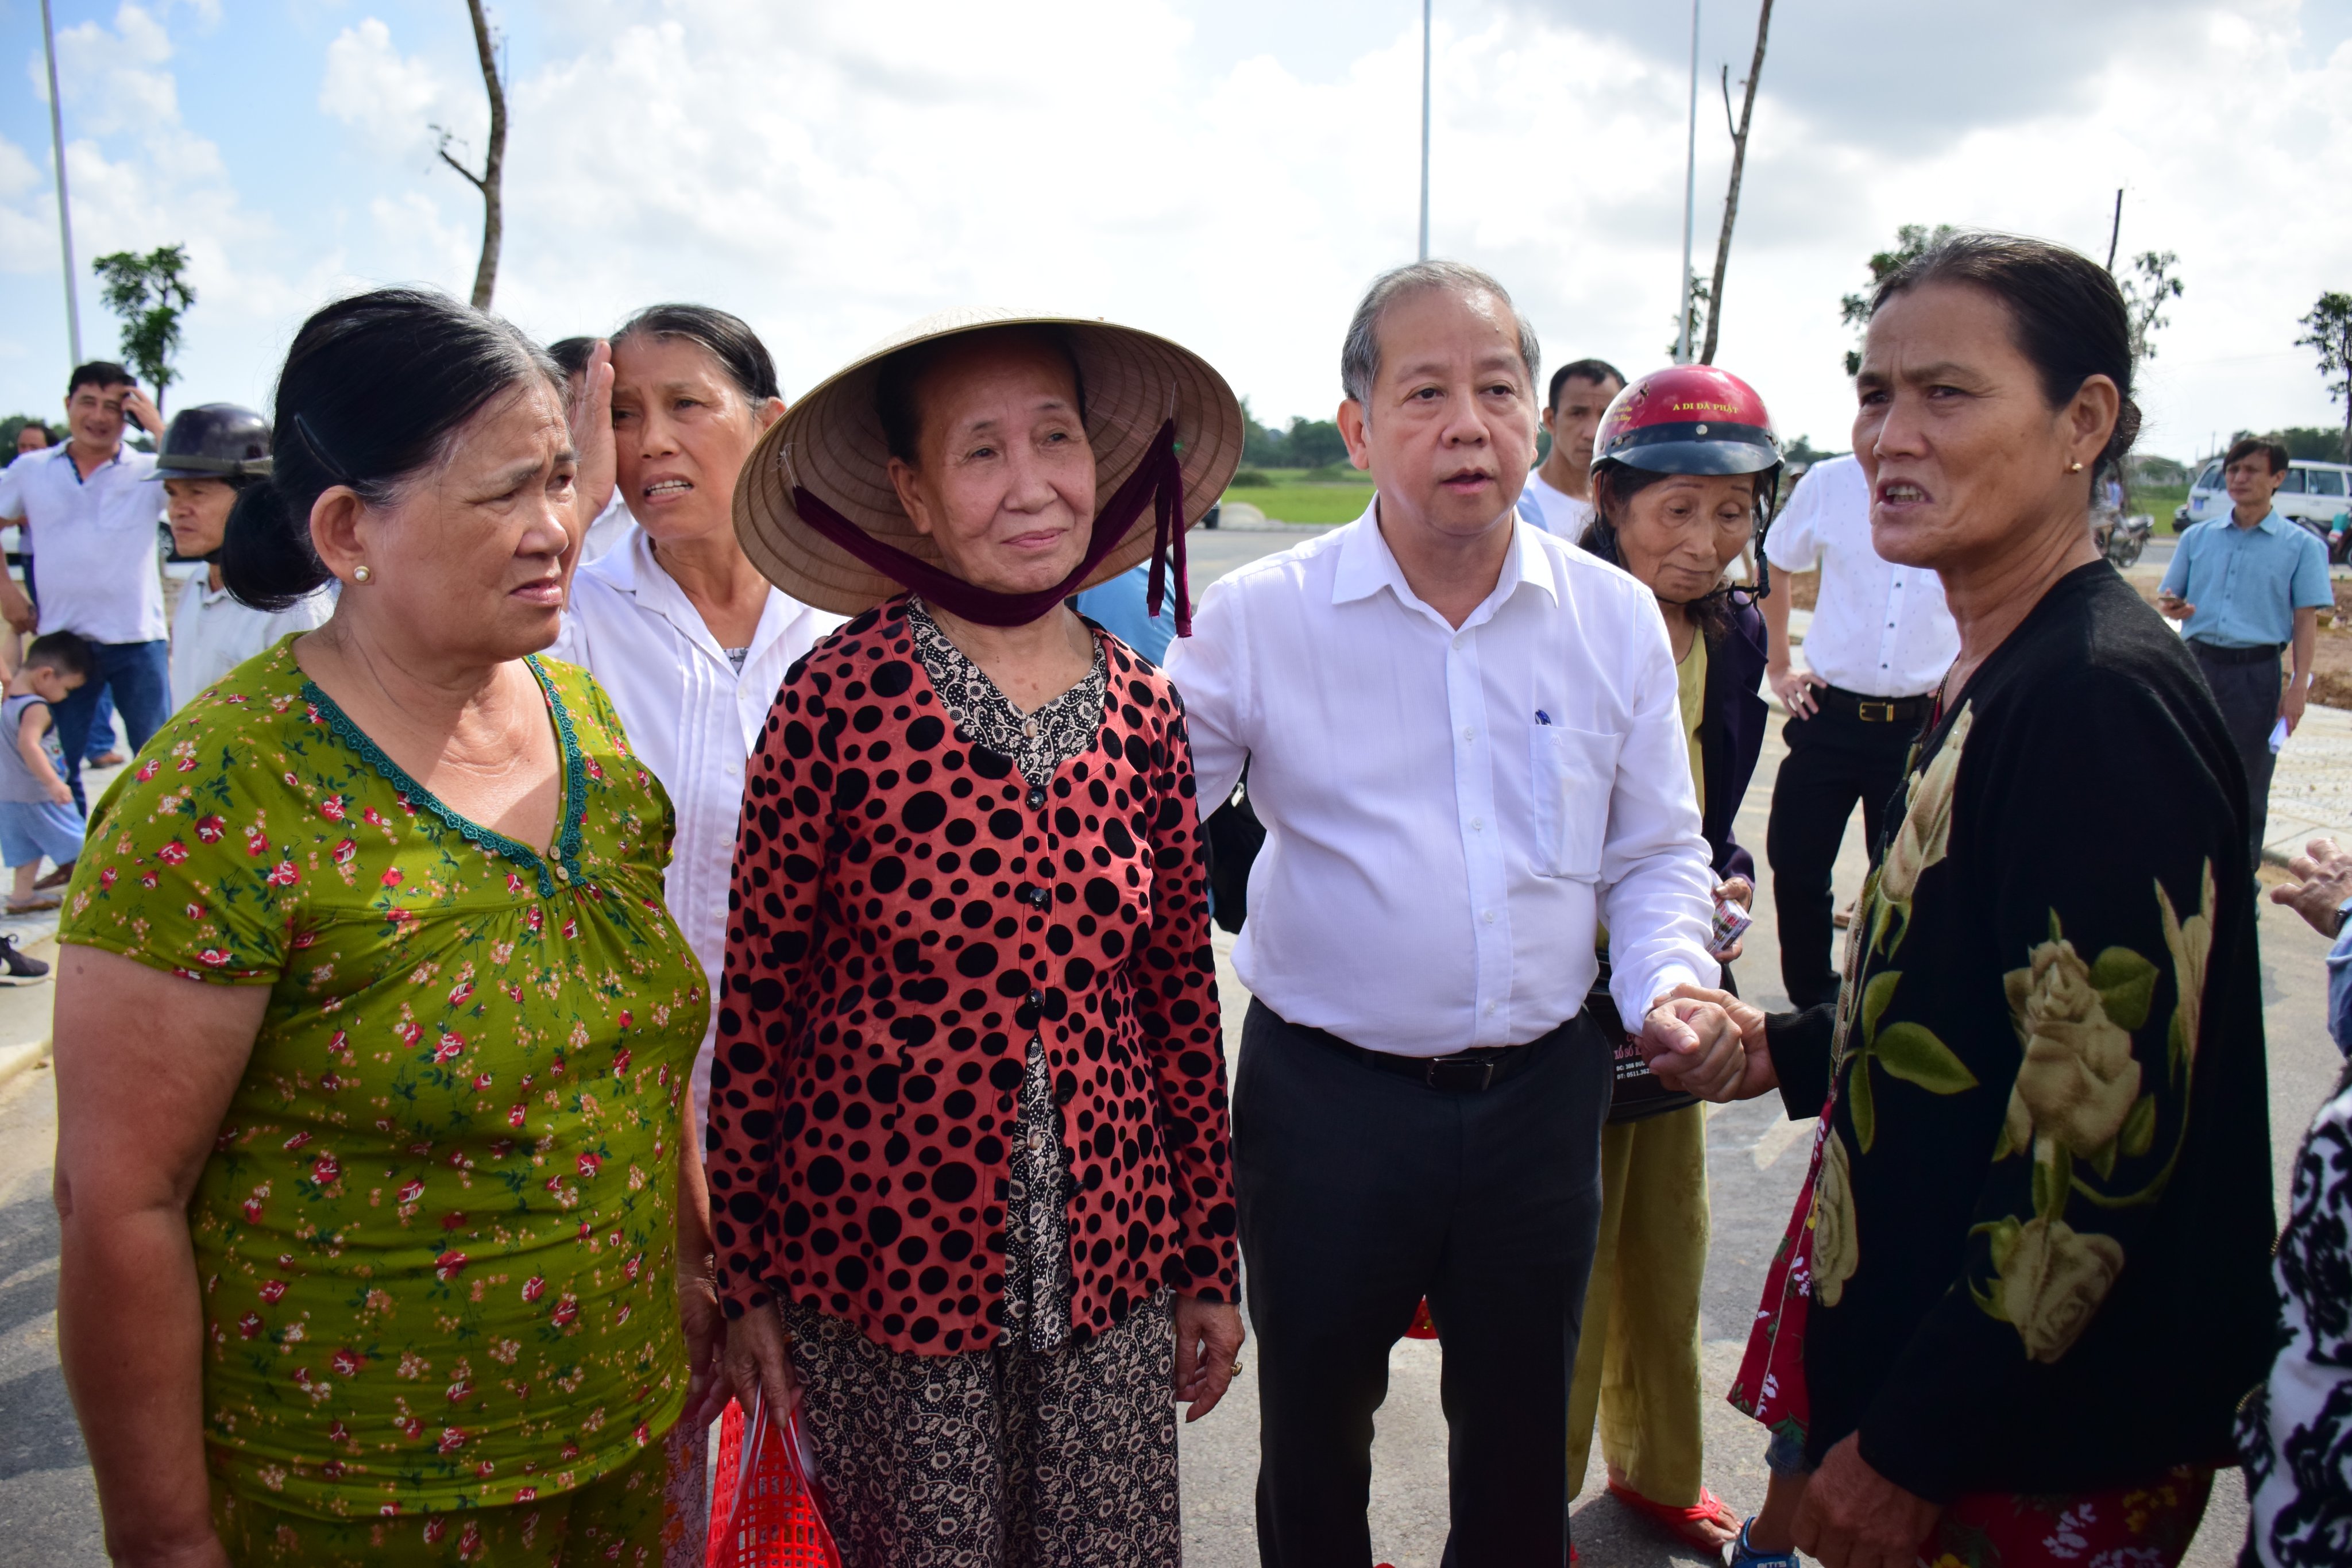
[(1572, 774)]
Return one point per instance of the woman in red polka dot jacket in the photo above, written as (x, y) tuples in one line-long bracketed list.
[(968, 1145)]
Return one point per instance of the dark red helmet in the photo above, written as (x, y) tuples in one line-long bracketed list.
[(1691, 419), (1688, 419)]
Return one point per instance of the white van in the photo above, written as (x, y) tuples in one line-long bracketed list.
[(2314, 492)]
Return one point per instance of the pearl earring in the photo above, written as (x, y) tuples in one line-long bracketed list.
[(360, 574)]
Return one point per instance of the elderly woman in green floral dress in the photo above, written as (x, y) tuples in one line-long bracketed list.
[(372, 1034)]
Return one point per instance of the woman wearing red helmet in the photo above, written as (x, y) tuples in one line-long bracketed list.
[(1684, 473)]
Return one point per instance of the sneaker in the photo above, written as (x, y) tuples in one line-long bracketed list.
[(16, 965), (1746, 1556)]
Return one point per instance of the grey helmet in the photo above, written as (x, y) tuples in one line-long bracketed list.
[(214, 441)]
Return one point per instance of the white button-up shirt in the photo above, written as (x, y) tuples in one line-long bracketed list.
[(1554, 510), (690, 717), (211, 634), (97, 557), (1451, 813), (1878, 628)]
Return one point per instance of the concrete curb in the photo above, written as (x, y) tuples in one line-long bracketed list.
[(19, 1059), (23, 1055)]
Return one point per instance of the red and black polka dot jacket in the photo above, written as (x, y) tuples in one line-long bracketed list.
[(907, 908)]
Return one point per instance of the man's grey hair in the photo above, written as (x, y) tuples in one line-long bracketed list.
[(1359, 357)]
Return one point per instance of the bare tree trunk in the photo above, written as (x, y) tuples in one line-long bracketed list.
[(490, 181), (1738, 166)]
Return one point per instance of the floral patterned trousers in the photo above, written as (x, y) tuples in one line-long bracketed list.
[(2147, 1526)]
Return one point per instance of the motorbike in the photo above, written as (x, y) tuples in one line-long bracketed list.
[(2121, 539)]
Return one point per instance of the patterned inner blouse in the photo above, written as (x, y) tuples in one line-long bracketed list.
[(1037, 1217)]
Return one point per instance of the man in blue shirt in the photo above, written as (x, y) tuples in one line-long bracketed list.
[(2248, 584)]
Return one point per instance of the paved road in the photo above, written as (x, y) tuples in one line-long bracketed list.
[(1756, 1163)]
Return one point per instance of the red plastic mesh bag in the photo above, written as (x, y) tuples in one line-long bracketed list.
[(763, 1509)]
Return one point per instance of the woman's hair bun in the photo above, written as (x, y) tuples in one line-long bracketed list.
[(374, 390), (266, 558)]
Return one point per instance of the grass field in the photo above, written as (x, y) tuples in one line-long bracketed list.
[(1308, 494)]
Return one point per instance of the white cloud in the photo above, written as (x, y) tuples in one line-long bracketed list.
[(392, 102)]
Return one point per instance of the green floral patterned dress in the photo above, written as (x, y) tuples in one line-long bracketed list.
[(437, 1237)]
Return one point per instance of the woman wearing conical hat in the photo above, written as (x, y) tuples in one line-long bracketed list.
[(968, 1139)]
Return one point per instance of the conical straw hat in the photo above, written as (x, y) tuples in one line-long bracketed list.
[(831, 442)]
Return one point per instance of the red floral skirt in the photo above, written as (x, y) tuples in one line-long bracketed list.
[(1770, 1386), (2147, 1526)]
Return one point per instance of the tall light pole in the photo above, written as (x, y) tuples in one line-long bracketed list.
[(1690, 195), (1423, 128), (65, 212)]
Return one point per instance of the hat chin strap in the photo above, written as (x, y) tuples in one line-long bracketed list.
[(1158, 480)]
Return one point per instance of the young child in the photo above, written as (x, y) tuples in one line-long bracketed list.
[(37, 814)]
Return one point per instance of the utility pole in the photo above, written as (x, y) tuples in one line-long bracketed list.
[(65, 209), (2115, 231), (1424, 128), (1690, 197)]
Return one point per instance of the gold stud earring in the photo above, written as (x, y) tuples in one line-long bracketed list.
[(2071, 468), (360, 574)]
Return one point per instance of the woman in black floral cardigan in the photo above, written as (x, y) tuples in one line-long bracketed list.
[(2026, 1285)]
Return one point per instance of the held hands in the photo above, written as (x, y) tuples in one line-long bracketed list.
[(1208, 1352), (1852, 1517), (1794, 688), (1692, 1045), (2323, 880), (1757, 1073)]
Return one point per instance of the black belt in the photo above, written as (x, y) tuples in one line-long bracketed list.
[(1458, 1073), (1872, 710), (2215, 653)]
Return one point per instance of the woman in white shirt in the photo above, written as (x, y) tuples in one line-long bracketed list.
[(210, 453), (675, 623)]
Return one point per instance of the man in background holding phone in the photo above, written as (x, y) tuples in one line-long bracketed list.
[(92, 517)]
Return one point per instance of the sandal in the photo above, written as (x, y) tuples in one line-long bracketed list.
[(34, 904), (1746, 1556), (1685, 1522)]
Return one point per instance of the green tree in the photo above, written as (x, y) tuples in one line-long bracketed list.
[(2328, 330), (1910, 240), (2147, 290), (1702, 296), (153, 298)]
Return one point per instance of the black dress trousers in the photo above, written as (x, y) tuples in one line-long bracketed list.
[(2245, 683), (1362, 1192), (1835, 759)]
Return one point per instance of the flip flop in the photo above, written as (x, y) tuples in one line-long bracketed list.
[(34, 904), (1684, 1521)]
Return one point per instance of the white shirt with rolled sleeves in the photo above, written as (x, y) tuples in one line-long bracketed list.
[(97, 556), (690, 717), (1878, 630), (1451, 813)]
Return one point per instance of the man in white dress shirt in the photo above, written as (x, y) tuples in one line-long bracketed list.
[(1558, 496), (92, 518), (1464, 743), (1881, 639)]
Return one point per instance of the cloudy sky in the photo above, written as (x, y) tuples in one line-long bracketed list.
[(1230, 173)]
